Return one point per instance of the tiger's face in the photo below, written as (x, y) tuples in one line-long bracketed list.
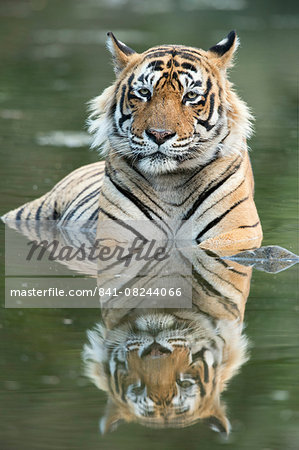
[(167, 110), (161, 371), (170, 107)]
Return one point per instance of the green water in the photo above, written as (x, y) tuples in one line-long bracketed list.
[(53, 61)]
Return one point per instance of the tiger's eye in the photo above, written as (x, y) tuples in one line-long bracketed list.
[(138, 390), (191, 95), (144, 91), (184, 383)]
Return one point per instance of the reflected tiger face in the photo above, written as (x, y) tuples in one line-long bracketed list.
[(161, 371), (171, 107), (164, 380)]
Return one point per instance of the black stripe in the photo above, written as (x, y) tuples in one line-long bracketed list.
[(212, 103), (39, 210), (249, 226), (220, 200), (156, 54), (144, 209), (19, 213), (202, 389), (220, 278), (193, 191), (205, 285), (205, 123), (207, 192), (123, 391), (113, 204), (70, 178), (247, 249), (200, 355), (176, 77), (124, 116), (141, 78), (160, 47), (81, 203), (86, 209), (146, 194), (206, 371), (132, 198), (182, 72), (156, 65), (56, 214), (94, 214), (162, 77), (197, 83), (130, 79), (189, 66), (188, 56), (211, 291), (81, 192), (209, 86), (193, 51), (218, 219), (197, 172), (230, 268), (125, 225)]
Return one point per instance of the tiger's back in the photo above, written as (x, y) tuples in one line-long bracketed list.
[(74, 198)]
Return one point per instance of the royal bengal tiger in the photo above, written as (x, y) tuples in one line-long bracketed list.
[(173, 132), (167, 367)]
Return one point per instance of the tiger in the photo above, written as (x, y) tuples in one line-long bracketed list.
[(167, 367), (173, 134)]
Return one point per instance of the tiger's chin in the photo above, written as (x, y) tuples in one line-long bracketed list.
[(157, 164)]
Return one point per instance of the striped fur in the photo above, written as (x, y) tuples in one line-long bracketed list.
[(173, 132), (168, 367), (75, 198)]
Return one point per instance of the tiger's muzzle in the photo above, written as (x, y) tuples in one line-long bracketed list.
[(155, 350), (159, 136)]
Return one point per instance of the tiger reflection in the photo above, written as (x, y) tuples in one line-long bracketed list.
[(168, 368), (165, 367)]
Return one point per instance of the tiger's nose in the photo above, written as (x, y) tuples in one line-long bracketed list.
[(159, 136)]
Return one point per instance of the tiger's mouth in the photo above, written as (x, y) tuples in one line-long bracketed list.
[(169, 154), (155, 156)]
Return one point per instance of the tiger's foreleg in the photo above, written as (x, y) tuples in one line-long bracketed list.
[(234, 241)]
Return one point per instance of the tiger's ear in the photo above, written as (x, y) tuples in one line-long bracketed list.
[(218, 421), (223, 52), (120, 52), (112, 418)]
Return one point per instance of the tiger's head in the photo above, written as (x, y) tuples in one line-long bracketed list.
[(171, 108), (165, 370)]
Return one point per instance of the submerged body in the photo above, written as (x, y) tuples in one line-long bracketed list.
[(174, 136)]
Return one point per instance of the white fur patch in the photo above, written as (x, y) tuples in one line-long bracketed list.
[(223, 42), (208, 355)]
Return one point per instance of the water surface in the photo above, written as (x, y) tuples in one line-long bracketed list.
[(53, 62)]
